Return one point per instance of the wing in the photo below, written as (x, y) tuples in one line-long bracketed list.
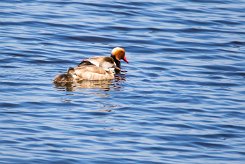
[(99, 61), (92, 72)]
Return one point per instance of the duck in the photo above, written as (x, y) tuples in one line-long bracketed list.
[(108, 62), (64, 78), (95, 68)]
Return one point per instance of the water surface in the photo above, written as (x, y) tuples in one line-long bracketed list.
[(181, 100)]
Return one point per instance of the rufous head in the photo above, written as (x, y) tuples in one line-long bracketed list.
[(119, 53)]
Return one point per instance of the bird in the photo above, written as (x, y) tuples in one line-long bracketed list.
[(95, 68), (107, 62), (65, 77)]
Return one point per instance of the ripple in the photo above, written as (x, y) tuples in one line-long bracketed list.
[(91, 39), (210, 145), (180, 99)]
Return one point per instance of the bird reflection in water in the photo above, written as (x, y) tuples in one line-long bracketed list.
[(105, 85)]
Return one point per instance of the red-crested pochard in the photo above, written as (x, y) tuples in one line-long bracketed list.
[(95, 68), (117, 54)]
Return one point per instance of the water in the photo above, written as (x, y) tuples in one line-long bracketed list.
[(181, 100)]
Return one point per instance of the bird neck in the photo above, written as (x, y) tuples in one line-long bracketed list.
[(118, 63)]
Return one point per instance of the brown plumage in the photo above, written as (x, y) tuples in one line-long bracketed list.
[(92, 72), (95, 68), (65, 77)]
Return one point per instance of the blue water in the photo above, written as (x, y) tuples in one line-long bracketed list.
[(182, 99)]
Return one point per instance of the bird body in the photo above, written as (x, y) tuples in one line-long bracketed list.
[(92, 72), (95, 68)]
